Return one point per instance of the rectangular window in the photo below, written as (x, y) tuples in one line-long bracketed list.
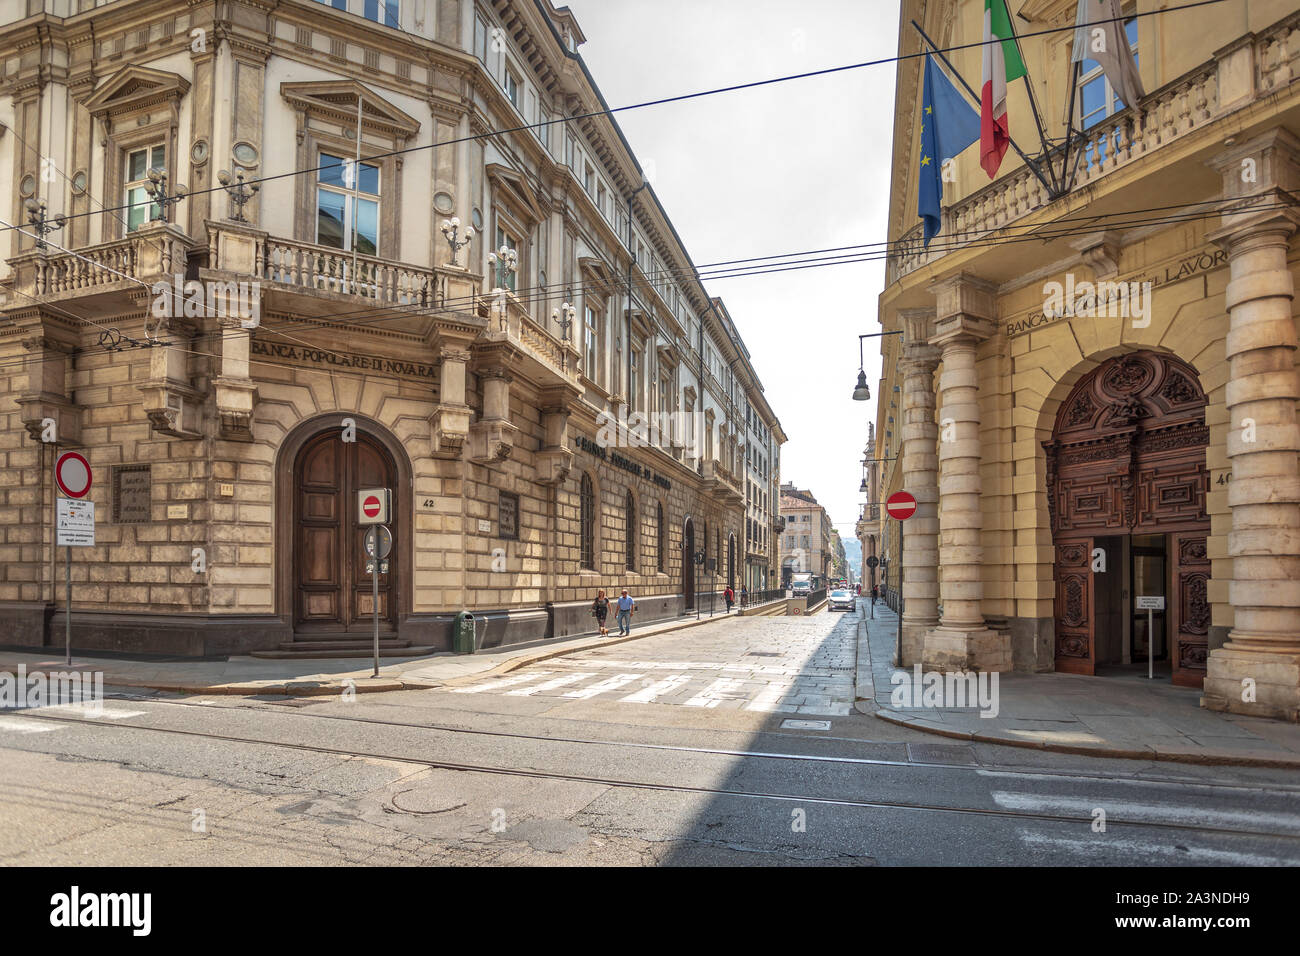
[(347, 205), (512, 87), (336, 4), (480, 39), (508, 241), (139, 162), (1096, 97), (634, 381), (588, 180), (590, 342), (600, 198), (387, 12)]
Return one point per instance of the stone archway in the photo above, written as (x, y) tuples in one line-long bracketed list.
[(1126, 475)]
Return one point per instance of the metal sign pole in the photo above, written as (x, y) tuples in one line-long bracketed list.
[(1151, 643), (899, 638), (67, 613), (374, 594)]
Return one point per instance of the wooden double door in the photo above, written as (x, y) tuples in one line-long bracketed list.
[(1127, 483), (332, 591)]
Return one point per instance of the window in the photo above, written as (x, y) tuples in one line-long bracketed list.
[(661, 532), (631, 532), (512, 87), (336, 4), (587, 529), (344, 211), (634, 381), (1096, 98), (142, 209), (590, 342), (508, 241), (600, 198), (387, 12), (481, 39), (588, 180)]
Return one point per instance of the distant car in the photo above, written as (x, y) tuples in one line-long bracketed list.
[(843, 600)]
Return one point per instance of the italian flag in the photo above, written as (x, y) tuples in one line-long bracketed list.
[(1002, 64)]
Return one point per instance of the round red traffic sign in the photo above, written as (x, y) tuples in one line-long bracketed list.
[(900, 505), (371, 506), (72, 472)]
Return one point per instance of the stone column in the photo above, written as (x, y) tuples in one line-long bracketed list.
[(962, 641), (1258, 670), (920, 469)]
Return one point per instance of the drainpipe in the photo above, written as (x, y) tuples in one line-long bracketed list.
[(627, 315)]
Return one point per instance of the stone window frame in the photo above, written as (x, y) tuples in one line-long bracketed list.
[(632, 532), (588, 522), (383, 125)]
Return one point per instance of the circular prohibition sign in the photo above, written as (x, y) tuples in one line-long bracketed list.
[(73, 475)]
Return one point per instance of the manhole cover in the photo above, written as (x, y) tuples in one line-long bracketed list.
[(806, 724)]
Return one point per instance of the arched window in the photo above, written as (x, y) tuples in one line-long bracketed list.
[(661, 530), (631, 532), (588, 524)]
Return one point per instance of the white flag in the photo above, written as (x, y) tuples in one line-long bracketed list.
[(1107, 44)]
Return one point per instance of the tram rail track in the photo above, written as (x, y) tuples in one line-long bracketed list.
[(915, 807)]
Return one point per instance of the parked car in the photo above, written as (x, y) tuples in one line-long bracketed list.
[(843, 600)]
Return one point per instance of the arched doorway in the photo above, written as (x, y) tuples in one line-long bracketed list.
[(331, 591), (1127, 483), (688, 565)]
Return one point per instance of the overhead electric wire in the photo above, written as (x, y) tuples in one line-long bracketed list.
[(664, 101)]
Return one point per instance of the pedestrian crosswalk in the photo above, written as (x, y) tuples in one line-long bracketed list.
[(28, 720), (708, 685)]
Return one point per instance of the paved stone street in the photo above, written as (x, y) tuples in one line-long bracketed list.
[(782, 665)]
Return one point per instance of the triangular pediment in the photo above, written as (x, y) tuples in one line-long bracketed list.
[(596, 274), (514, 183), (134, 88), (337, 101)]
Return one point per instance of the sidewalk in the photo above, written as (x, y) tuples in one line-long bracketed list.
[(319, 676), (1101, 716)]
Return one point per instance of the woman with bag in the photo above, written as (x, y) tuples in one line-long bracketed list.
[(600, 610)]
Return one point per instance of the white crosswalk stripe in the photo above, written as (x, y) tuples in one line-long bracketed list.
[(500, 684), (18, 725), (1123, 848), (610, 683), (1147, 812), (769, 698), (648, 695), (563, 681), (724, 688)]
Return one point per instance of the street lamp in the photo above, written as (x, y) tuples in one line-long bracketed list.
[(862, 392), (37, 217), (239, 193), (451, 231), (156, 187)]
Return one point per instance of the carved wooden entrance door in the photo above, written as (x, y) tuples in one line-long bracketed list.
[(1127, 457), (333, 591)]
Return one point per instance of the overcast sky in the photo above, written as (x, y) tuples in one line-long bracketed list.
[(795, 166)]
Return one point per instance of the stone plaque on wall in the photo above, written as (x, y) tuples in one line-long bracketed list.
[(132, 494), (508, 517)]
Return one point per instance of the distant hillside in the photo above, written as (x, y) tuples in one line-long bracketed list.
[(853, 552)]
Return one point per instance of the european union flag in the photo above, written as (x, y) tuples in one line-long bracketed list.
[(948, 125)]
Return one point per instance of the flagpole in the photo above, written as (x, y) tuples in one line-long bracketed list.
[(1038, 120), (1069, 128), (1014, 145)]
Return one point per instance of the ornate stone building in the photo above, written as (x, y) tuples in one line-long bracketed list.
[(1136, 435), (237, 363)]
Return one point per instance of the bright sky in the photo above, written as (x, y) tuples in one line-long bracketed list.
[(796, 166)]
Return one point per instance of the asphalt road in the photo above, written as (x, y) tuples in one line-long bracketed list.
[(674, 749)]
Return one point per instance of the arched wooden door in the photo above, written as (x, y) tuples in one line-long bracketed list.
[(1126, 475), (332, 591), (688, 564)]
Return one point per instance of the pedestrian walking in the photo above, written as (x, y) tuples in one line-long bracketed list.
[(744, 596), (626, 607), (600, 610), (730, 597)]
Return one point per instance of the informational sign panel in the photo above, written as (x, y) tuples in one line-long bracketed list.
[(132, 494), (1155, 602), (508, 516), (373, 505), (380, 539), (75, 523)]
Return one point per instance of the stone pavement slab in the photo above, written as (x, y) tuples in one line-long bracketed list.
[(1066, 713)]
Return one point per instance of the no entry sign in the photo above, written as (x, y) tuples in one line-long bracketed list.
[(72, 474), (900, 505), (372, 506)]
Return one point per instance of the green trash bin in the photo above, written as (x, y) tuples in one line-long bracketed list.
[(462, 633)]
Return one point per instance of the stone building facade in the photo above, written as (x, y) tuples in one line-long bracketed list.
[(806, 541), (1108, 411), (557, 405)]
